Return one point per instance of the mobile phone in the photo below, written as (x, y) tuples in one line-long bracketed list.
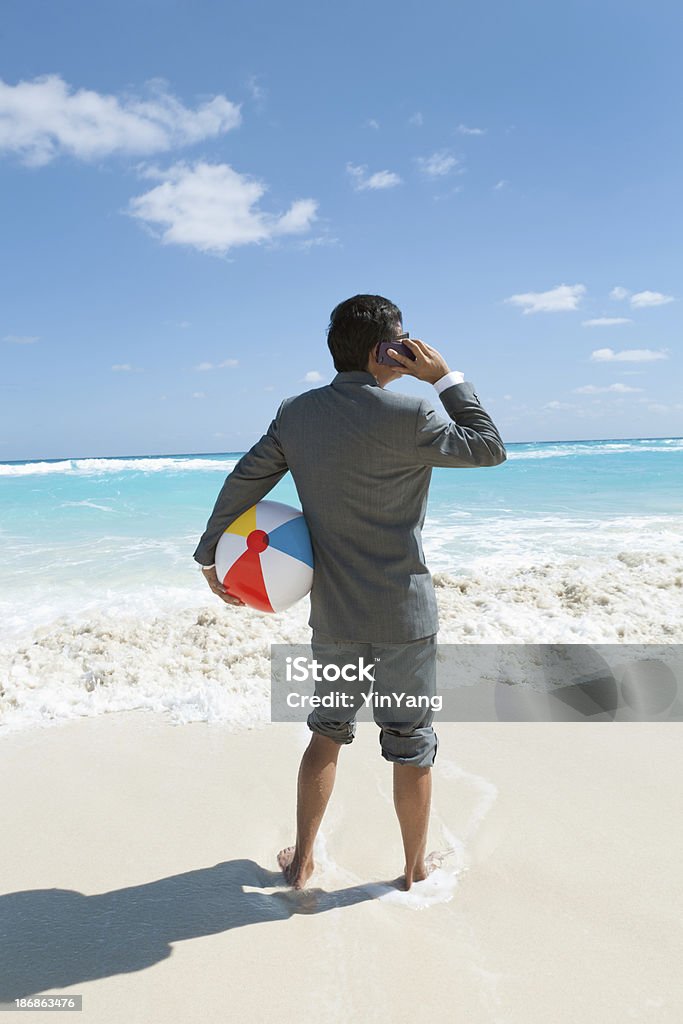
[(381, 350)]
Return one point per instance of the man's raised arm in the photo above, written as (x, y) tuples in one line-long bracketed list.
[(256, 473), (468, 439)]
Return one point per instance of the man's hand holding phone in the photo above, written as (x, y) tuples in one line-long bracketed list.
[(428, 365)]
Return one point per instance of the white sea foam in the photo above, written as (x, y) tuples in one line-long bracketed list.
[(566, 449), (90, 467), (453, 858), (86, 504), (449, 862), (513, 539), (206, 663), (635, 597), (195, 658)]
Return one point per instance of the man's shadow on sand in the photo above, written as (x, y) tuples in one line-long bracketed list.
[(56, 938)]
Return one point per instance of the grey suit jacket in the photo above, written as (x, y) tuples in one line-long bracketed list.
[(361, 458)]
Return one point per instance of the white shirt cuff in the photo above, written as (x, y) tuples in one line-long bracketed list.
[(454, 377)]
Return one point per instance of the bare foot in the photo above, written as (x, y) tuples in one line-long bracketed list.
[(296, 872), (422, 869)]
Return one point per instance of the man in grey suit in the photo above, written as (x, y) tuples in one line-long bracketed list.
[(361, 458)]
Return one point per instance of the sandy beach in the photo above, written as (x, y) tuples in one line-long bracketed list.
[(139, 870)]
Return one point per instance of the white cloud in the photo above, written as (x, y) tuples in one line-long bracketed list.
[(312, 376), (380, 179), (464, 130), (416, 119), (558, 405), (43, 118), (627, 355), (256, 91), (556, 300), (372, 124), (500, 184), (316, 240), (591, 389), (21, 339), (198, 394), (641, 299), (122, 367), (213, 208), (436, 165), (606, 321), (217, 366), (297, 219)]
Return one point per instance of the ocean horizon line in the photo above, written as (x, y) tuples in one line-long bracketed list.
[(243, 451)]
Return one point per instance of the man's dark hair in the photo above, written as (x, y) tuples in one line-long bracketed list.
[(356, 325)]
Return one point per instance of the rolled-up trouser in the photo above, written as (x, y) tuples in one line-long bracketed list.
[(408, 669)]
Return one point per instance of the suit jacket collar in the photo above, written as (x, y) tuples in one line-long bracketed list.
[(355, 377)]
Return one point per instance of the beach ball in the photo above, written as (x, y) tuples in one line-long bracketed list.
[(265, 557)]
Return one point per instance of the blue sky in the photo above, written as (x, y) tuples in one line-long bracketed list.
[(188, 189)]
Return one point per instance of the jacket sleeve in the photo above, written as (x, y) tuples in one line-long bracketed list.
[(468, 439), (256, 473)]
